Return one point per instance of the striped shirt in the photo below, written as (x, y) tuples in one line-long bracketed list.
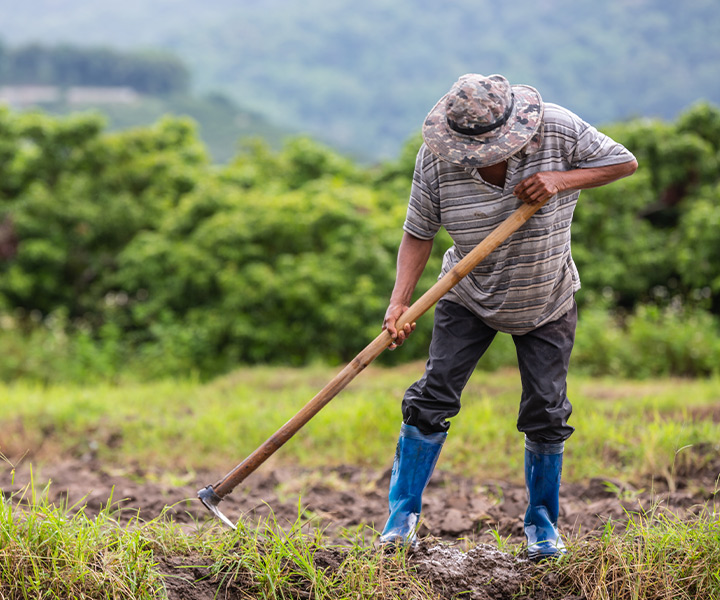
[(530, 279)]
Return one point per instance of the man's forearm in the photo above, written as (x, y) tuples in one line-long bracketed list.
[(545, 184), (413, 255), (581, 179)]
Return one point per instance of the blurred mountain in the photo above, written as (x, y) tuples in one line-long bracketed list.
[(362, 76), (129, 88)]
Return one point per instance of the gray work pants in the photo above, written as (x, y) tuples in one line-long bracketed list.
[(459, 340)]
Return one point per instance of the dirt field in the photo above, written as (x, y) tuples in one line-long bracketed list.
[(458, 553)]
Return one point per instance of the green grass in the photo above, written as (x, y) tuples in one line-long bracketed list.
[(630, 429), (48, 551), (270, 563)]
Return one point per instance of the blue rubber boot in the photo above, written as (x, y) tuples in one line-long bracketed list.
[(543, 467), (415, 459)]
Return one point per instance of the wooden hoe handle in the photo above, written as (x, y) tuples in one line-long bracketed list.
[(225, 485)]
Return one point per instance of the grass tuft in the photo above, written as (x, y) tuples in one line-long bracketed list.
[(268, 562), (658, 556), (47, 551)]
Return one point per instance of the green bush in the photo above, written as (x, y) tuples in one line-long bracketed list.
[(652, 341)]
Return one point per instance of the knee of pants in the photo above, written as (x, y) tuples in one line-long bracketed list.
[(429, 414), (544, 423)]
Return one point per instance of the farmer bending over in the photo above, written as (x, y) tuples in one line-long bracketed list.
[(488, 147)]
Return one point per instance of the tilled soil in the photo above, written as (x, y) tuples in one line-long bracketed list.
[(458, 554)]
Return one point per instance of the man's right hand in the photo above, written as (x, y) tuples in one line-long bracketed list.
[(392, 314)]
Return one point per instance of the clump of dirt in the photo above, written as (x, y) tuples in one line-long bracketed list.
[(482, 573), (186, 579)]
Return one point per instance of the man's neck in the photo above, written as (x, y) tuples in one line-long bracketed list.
[(494, 174)]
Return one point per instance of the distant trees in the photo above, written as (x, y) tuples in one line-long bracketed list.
[(153, 73)]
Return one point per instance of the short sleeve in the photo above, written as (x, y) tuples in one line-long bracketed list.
[(593, 148), (423, 215)]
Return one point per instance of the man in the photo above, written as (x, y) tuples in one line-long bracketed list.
[(487, 147)]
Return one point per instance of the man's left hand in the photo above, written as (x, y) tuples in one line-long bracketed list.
[(539, 186)]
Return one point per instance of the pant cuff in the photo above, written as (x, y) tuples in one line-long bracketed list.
[(412, 432), (542, 448)]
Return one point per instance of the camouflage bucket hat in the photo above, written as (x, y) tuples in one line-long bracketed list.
[(482, 120)]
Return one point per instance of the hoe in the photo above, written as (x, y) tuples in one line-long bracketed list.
[(212, 495)]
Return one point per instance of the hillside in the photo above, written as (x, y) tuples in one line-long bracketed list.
[(130, 89), (362, 76)]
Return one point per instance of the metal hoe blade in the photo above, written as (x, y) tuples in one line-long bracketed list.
[(211, 500)]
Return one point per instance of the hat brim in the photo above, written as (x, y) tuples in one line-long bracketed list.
[(488, 148)]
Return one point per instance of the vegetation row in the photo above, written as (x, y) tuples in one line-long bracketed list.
[(53, 552)]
